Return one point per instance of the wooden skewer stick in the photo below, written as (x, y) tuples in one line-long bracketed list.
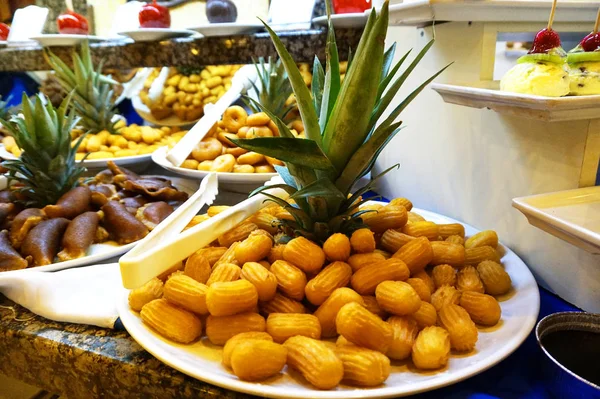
[(69, 4), (551, 20), (597, 22)]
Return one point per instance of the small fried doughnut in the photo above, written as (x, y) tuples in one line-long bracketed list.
[(297, 125), (264, 169), (223, 163), (243, 169), (258, 119), (224, 138), (190, 164), (234, 118), (259, 131), (273, 161), (273, 126), (250, 158), (236, 151), (207, 149), (242, 132), (205, 165)]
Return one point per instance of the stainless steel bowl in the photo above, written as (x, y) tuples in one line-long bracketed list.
[(571, 340)]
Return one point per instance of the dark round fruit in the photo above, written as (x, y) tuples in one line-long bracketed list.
[(591, 42), (221, 11), (544, 41)]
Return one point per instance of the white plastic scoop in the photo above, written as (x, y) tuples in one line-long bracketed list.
[(240, 83)]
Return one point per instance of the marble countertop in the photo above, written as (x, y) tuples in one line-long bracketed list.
[(302, 45), (79, 361)]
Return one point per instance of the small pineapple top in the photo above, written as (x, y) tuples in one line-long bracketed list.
[(92, 91), (46, 169)]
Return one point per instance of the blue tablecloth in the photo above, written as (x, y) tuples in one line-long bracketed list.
[(521, 375)]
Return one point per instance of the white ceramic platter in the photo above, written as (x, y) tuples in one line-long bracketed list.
[(551, 109), (160, 157), (102, 252), (226, 29), (156, 34), (135, 162), (202, 360), (352, 20), (143, 111), (51, 40), (572, 215), (3, 43)]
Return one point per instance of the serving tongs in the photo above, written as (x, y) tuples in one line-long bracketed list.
[(167, 245)]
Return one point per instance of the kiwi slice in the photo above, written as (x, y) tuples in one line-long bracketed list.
[(537, 57), (574, 58)]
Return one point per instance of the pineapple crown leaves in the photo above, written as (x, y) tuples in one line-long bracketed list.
[(274, 87), (92, 91), (342, 121), (47, 167), (4, 106)]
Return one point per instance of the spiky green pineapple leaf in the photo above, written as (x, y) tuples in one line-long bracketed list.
[(303, 97), (46, 167), (351, 202), (391, 92), (388, 76), (317, 84), (303, 152), (332, 83), (347, 127)]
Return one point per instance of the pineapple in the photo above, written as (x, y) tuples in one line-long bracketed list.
[(4, 107), (46, 169), (92, 91), (274, 90), (344, 137)]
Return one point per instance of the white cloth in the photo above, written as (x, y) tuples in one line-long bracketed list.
[(85, 295)]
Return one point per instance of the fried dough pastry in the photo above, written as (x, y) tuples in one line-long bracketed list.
[(6, 210), (122, 225), (6, 196), (43, 241), (117, 170), (10, 259), (22, 223), (134, 203), (80, 234), (104, 177), (154, 213), (102, 193), (71, 204), (156, 187)]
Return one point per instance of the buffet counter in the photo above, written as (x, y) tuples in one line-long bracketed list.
[(187, 52)]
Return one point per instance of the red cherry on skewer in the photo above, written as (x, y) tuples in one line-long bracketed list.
[(72, 23), (544, 41), (591, 42), (154, 16), (4, 31)]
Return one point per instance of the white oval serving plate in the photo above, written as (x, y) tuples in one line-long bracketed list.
[(202, 360), (160, 158), (51, 40), (104, 251), (156, 34), (342, 21), (93, 164)]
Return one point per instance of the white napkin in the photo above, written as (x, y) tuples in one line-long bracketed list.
[(85, 295)]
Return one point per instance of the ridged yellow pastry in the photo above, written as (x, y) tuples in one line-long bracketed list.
[(537, 78)]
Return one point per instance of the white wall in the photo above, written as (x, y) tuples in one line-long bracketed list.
[(469, 164)]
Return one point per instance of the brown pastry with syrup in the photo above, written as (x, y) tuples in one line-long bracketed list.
[(71, 204), (122, 225), (43, 241), (78, 237), (10, 259), (23, 223), (154, 213)]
